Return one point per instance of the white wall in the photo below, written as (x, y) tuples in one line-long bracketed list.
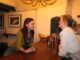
[(76, 10), (45, 14)]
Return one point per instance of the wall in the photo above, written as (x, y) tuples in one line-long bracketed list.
[(76, 10), (24, 14), (69, 6), (45, 14)]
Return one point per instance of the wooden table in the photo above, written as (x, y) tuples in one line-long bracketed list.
[(43, 53)]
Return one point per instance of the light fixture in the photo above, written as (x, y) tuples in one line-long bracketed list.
[(43, 2)]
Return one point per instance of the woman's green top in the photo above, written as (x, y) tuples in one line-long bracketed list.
[(20, 41)]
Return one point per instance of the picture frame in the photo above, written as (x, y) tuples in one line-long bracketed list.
[(14, 21), (78, 29), (78, 25), (1, 20)]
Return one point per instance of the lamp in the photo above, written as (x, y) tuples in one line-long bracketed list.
[(43, 2)]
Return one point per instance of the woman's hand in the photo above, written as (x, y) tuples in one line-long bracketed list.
[(30, 50)]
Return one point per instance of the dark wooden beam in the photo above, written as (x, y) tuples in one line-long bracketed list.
[(6, 8)]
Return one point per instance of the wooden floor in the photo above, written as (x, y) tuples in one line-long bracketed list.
[(43, 53)]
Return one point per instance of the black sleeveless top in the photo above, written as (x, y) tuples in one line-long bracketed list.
[(28, 38)]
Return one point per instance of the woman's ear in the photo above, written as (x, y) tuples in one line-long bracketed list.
[(26, 25)]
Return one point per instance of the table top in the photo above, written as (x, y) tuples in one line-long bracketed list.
[(43, 53)]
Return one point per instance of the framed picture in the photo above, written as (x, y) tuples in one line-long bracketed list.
[(78, 25), (78, 29), (1, 20), (15, 20)]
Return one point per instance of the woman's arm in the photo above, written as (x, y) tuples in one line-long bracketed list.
[(19, 42), (64, 45)]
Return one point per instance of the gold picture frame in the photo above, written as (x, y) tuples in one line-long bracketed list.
[(1, 20), (15, 20)]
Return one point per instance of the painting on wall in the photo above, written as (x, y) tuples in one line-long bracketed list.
[(1, 20), (15, 20), (78, 29)]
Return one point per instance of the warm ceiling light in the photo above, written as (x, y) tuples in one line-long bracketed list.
[(43, 2)]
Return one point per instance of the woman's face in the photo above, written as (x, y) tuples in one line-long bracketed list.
[(61, 22), (30, 25)]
